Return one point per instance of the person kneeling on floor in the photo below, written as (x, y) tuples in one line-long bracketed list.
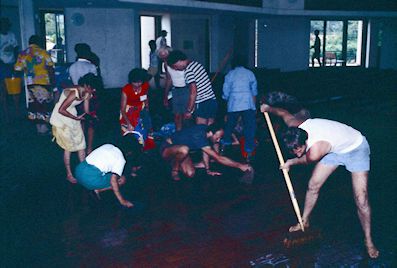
[(198, 137), (102, 170)]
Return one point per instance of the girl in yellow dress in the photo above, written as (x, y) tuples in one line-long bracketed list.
[(66, 123)]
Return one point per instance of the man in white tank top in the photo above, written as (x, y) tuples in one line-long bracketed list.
[(175, 80), (331, 144)]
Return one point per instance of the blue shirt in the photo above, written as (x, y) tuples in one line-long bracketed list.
[(194, 137), (239, 88)]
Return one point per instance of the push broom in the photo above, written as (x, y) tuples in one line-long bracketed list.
[(285, 172), (294, 238)]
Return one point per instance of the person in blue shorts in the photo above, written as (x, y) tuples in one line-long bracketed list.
[(330, 144), (102, 170), (198, 137), (202, 101)]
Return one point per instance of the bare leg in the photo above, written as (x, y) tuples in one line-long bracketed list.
[(121, 181), (177, 154), (360, 182), (204, 121), (81, 155), (90, 139), (320, 175), (188, 167), (178, 119), (69, 174)]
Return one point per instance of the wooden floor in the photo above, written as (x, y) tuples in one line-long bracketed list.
[(199, 222)]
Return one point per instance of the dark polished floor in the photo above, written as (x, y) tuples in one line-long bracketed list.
[(199, 222)]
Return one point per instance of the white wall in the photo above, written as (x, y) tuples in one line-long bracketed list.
[(113, 35), (221, 40), (27, 21), (189, 35), (283, 43)]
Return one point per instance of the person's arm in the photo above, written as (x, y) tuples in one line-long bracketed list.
[(224, 160), (87, 103), (49, 65), (116, 190), (294, 161), (226, 88), (146, 102), (318, 151), (314, 154), (65, 105), (206, 160), (254, 89), (192, 100), (288, 118), (168, 85), (123, 106)]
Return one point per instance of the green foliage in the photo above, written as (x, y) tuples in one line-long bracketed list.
[(334, 36)]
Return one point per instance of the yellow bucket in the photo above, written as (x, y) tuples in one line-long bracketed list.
[(13, 85)]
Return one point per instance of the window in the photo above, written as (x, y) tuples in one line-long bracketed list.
[(316, 25), (54, 29), (341, 42), (354, 41)]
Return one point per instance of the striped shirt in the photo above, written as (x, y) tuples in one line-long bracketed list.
[(195, 73)]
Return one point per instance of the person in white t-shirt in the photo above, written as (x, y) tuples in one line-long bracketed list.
[(102, 170), (175, 81), (330, 144), (161, 41), (81, 66), (8, 43)]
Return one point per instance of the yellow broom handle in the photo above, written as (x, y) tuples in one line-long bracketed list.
[(285, 172)]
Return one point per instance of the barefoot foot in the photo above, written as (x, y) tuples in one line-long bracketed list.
[(71, 179), (175, 175), (297, 227), (372, 251), (199, 165)]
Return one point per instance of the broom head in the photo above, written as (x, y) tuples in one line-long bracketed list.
[(298, 239)]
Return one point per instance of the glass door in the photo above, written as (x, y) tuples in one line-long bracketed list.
[(54, 29), (334, 43), (354, 42)]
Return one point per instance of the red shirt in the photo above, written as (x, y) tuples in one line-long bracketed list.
[(134, 99), (135, 103)]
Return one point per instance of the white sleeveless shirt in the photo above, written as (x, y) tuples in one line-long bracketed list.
[(343, 138), (178, 77)]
